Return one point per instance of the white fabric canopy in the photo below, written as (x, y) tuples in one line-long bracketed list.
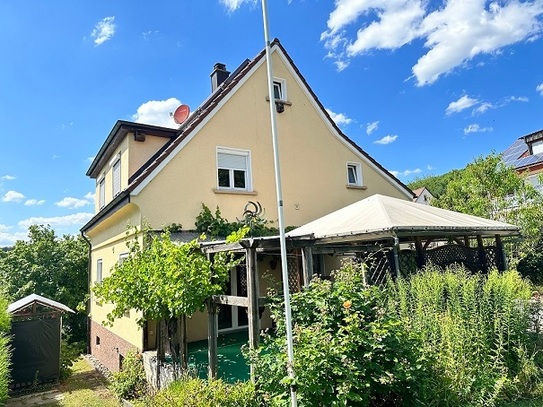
[(30, 299), (380, 216)]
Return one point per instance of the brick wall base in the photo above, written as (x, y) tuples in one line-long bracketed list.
[(107, 347)]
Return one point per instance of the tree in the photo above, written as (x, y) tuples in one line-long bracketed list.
[(488, 188), (165, 281), (436, 184), (54, 267)]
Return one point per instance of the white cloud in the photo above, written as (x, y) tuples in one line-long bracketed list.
[(465, 102), (103, 31), (454, 34), (475, 128), (339, 118), (386, 140), (406, 173), (233, 5), (90, 196), (77, 219), (483, 107), (7, 178), (517, 99), (90, 159), (72, 203), (157, 112), (371, 127), (13, 196), (9, 239), (34, 202), (539, 88)]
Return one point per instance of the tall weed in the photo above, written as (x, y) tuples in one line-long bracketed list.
[(474, 329)]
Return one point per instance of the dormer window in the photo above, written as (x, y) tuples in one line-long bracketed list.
[(537, 147)]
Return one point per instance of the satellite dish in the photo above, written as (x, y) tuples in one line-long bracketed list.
[(181, 114)]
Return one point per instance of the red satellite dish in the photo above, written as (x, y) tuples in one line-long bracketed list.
[(181, 114)]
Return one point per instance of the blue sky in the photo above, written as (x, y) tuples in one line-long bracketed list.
[(422, 86)]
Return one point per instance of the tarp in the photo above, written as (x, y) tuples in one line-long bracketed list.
[(380, 216), (35, 298), (36, 351)]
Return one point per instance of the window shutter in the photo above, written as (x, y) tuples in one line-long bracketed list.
[(117, 177), (232, 161)]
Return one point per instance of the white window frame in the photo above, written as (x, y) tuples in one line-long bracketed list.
[(537, 147), (99, 270), (116, 175), (248, 173), (357, 167), (282, 85), (102, 191), (123, 257)]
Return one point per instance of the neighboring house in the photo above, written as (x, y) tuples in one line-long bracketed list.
[(422, 196), (221, 156), (526, 156)]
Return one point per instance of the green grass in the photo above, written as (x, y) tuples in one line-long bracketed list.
[(85, 387)]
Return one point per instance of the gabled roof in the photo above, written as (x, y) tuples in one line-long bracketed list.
[(518, 154), (380, 217), (191, 125), (32, 299)]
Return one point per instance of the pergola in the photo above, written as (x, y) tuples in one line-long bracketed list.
[(392, 236)]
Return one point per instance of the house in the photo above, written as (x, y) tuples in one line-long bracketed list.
[(422, 196), (221, 156), (525, 155)]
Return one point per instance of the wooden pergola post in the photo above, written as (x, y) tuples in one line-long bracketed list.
[(252, 296), (501, 253), (420, 252), (482, 254), (212, 333)]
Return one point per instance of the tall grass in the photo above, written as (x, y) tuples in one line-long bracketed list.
[(475, 333), (5, 351)]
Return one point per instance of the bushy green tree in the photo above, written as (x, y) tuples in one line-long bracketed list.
[(490, 189), (436, 184), (348, 350), (50, 266), (5, 352)]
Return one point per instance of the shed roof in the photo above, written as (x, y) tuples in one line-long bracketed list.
[(381, 217), (29, 300)]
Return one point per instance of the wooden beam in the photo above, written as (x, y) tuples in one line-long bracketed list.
[(420, 252), (230, 300), (482, 254), (501, 253)]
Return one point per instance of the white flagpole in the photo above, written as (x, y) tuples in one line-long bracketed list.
[(278, 187)]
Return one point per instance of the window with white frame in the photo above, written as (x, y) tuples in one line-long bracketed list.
[(354, 174), (117, 175), (123, 257), (102, 192), (279, 89), (233, 169), (99, 271), (537, 147)]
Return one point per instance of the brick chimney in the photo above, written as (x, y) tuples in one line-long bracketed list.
[(218, 76)]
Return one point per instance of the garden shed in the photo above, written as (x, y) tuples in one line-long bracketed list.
[(391, 236), (36, 329)]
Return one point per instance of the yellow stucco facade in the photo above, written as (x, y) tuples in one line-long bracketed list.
[(314, 159)]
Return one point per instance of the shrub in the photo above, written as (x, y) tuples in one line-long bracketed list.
[(531, 266), (347, 349), (130, 382), (69, 353), (474, 330), (196, 392)]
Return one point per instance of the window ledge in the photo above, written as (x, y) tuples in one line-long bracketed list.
[(284, 102), (234, 192), (362, 187)]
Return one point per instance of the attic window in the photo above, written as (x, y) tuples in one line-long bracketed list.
[(354, 174), (117, 176), (102, 192), (279, 89)]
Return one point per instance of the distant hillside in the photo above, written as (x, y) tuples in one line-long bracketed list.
[(436, 184)]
